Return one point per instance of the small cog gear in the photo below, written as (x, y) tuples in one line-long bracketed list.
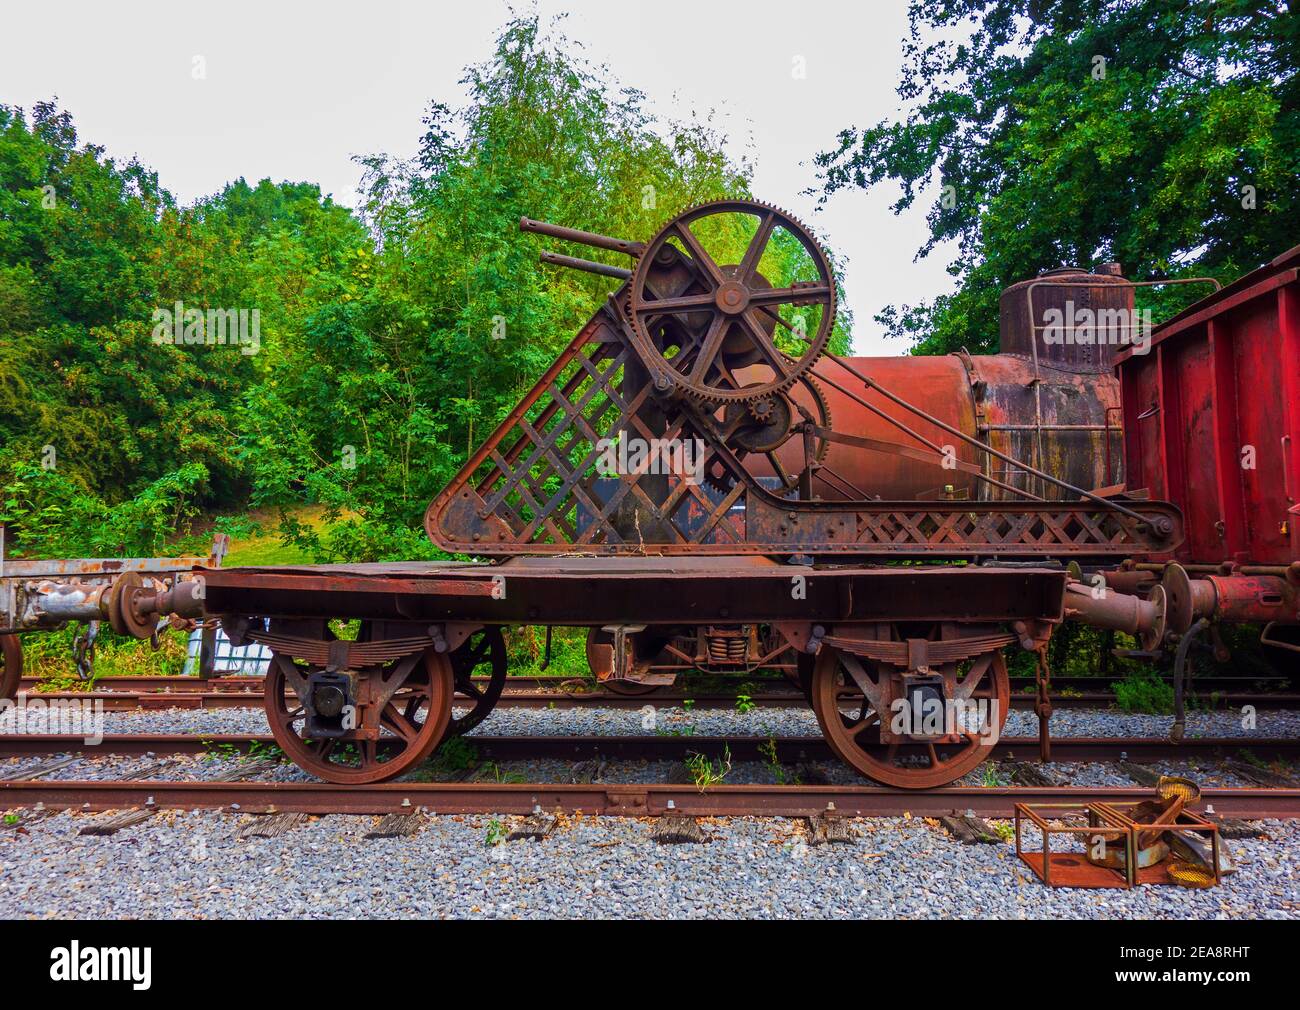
[(720, 479)]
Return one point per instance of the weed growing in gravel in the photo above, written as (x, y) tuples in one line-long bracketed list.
[(455, 755), (496, 833), (221, 751), (768, 750), (1144, 693), (500, 777), (1004, 830), (990, 777), (257, 750), (705, 772), (744, 704)]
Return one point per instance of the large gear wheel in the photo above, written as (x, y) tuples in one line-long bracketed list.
[(729, 316)]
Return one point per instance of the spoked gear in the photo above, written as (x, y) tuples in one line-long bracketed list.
[(726, 316), (763, 426), (485, 650)]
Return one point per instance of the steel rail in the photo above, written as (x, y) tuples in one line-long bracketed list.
[(121, 701), (788, 749), (609, 799), (554, 682)]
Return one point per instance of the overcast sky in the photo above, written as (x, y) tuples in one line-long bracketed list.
[(292, 91)]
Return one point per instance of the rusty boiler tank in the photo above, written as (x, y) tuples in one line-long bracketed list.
[(1049, 398)]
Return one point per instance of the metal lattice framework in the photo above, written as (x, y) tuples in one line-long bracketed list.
[(534, 488), (538, 486)]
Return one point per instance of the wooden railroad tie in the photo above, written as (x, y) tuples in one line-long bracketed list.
[(809, 774), (1234, 828), (971, 830), (586, 772), (675, 829), (1261, 775), (152, 768), (397, 826), (272, 825), (1028, 774), (114, 823), (246, 770), (535, 826), (1140, 774), (826, 828), (42, 769)]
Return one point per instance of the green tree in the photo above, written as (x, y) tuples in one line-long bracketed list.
[(1164, 135), (440, 325)]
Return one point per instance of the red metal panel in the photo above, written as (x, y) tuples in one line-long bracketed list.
[(1288, 310), (1261, 426), (1222, 390), (1227, 442)]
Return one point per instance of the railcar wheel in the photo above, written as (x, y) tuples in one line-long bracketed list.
[(850, 718), (402, 708), (11, 665), (485, 647)]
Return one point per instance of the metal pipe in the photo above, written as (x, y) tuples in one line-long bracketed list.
[(51, 604), (1103, 608), (590, 266), (585, 237)]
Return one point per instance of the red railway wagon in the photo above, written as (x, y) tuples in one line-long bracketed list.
[(1212, 419)]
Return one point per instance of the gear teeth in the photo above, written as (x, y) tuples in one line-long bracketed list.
[(710, 395), (822, 408)]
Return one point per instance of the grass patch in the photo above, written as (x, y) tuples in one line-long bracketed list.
[(1144, 693), (48, 655)]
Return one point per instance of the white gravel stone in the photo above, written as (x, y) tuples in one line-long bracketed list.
[(595, 721), (194, 865)]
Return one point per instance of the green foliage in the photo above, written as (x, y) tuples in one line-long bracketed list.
[(47, 515), (1144, 692), (376, 371), (1085, 132), (705, 772)]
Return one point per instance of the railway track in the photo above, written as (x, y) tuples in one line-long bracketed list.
[(126, 693), (622, 800), (788, 749)]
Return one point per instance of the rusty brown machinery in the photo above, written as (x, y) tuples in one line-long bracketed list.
[(699, 481), (681, 481)]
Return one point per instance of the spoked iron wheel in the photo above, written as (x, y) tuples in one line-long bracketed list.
[(402, 710), (483, 652), (851, 695), (11, 665)]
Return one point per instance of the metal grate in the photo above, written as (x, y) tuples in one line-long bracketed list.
[(228, 660)]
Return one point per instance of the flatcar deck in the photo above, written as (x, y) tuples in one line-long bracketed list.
[(599, 590)]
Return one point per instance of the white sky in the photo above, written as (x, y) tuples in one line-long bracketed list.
[(292, 91)]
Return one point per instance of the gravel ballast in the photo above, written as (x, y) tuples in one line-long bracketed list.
[(195, 865), (595, 721)]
